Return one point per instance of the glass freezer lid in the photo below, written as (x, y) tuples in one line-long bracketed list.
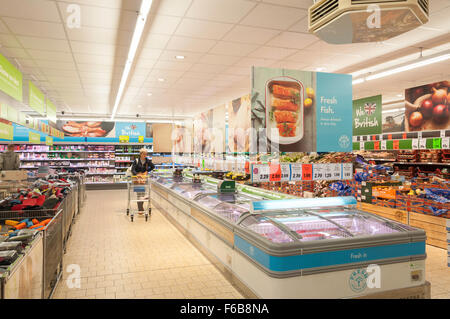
[(230, 212), (266, 228)]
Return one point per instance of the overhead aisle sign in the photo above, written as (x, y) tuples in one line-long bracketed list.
[(10, 79), (36, 99)]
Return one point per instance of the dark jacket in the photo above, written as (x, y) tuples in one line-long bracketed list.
[(9, 161), (137, 166)]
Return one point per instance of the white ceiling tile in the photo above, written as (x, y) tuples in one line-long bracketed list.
[(249, 62), (9, 41), (176, 65), (27, 63), (51, 55), (245, 34), (162, 24), (238, 70), (308, 56), (100, 35), (203, 29), (207, 68), (218, 10), (231, 48), (96, 59), (174, 7), (16, 53), (303, 4), (272, 53), (3, 28), (275, 17), (41, 10), (35, 28), (301, 26), (98, 48), (93, 67), (190, 44), (115, 4), (150, 54), (156, 41), (293, 40), (219, 59), (190, 57), (44, 44)]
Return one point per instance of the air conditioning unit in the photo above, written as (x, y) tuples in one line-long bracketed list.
[(355, 21)]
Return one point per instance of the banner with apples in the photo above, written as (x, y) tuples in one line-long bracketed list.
[(427, 107)]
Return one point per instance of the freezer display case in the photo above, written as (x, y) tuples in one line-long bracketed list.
[(229, 206)]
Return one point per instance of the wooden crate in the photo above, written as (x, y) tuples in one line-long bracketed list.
[(434, 226), (397, 215)]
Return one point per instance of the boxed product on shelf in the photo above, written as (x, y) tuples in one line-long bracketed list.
[(408, 156)]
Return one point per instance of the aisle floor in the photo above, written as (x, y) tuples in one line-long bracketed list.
[(120, 259)]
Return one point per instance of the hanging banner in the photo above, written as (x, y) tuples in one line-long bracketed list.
[(239, 124), (51, 111), (36, 99), (34, 138), (6, 131), (367, 116), (49, 140), (10, 79), (300, 111), (427, 107)]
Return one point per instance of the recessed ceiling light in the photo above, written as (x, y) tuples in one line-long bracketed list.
[(139, 106), (320, 69), (149, 94), (400, 95), (161, 80), (179, 57)]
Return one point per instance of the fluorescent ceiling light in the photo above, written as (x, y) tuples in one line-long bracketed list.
[(358, 81), (161, 80), (149, 94), (136, 39), (179, 57), (320, 69), (139, 106)]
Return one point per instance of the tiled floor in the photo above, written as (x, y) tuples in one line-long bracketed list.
[(120, 259)]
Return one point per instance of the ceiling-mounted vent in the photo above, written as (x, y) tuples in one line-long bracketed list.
[(353, 21), (324, 9), (424, 5)]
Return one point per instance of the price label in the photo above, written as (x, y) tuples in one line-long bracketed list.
[(361, 146), (383, 145), (336, 171), (442, 133), (328, 172), (445, 143), (423, 144), (347, 171), (355, 139), (296, 172), (376, 145), (275, 172), (285, 172), (436, 143), (307, 170), (419, 135), (260, 173), (318, 172), (396, 144), (415, 144)]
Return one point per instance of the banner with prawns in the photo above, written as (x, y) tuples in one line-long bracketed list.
[(300, 111)]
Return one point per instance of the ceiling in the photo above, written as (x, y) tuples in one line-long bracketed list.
[(80, 69)]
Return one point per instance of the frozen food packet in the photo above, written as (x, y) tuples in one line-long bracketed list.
[(12, 245), (8, 256)]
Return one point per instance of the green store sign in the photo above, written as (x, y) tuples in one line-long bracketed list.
[(36, 99), (51, 111), (6, 131), (10, 79), (367, 116), (34, 138)]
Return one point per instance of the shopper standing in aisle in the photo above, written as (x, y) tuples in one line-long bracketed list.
[(141, 166), (9, 160)]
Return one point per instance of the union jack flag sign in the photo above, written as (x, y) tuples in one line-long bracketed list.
[(370, 108)]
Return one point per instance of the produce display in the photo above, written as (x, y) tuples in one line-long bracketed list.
[(305, 158), (427, 107)]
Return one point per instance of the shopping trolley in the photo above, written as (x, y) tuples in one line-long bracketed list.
[(139, 191)]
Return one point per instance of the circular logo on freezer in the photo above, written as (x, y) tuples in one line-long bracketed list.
[(344, 141), (358, 280)]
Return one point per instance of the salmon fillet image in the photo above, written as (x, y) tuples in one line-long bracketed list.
[(284, 92), (285, 105), (285, 116), (287, 129)]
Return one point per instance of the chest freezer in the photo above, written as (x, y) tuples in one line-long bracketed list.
[(307, 236)]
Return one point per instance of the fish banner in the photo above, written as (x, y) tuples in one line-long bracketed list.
[(300, 111)]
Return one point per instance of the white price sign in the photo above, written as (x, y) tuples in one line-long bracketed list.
[(383, 145), (260, 173), (318, 172), (423, 144), (285, 172), (328, 172), (336, 171), (296, 172), (415, 144), (445, 143), (347, 171)]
